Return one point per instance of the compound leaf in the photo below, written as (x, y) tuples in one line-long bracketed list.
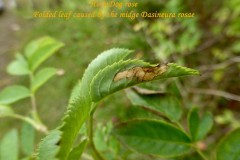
[(199, 127)]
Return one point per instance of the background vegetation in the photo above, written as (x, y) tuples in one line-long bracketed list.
[(209, 42)]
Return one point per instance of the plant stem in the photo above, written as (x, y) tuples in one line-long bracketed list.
[(200, 152), (30, 121), (33, 102), (34, 109), (91, 142), (33, 98), (86, 156), (35, 115)]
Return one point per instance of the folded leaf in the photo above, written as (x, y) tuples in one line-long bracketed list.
[(103, 83), (153, 137), (9, 146), (229, 147), (167, 105), (18, 66), (13, 93), (199, 127), (124, 74), (42, 77)]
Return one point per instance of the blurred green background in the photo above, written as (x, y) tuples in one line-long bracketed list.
[(209, 42)]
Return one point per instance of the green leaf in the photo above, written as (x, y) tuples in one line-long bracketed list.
[(199, 127), (49, 147), (193, 122), (77, 152), (5, 111), (205, 125), (229, 147), (175, 70), (105, 143), (42, 77), (40, 50), (100, 138), (13, 93), (27, 139), (18, 66), (153, 138), (9, 146), (75, 93), (236, 46), (167, 105)]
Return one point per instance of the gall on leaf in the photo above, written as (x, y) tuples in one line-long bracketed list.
[(141, 73)]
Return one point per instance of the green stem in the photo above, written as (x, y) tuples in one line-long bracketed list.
[(91, 142), (35, 115), (33, 99), (200, 152), (30, 121)]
